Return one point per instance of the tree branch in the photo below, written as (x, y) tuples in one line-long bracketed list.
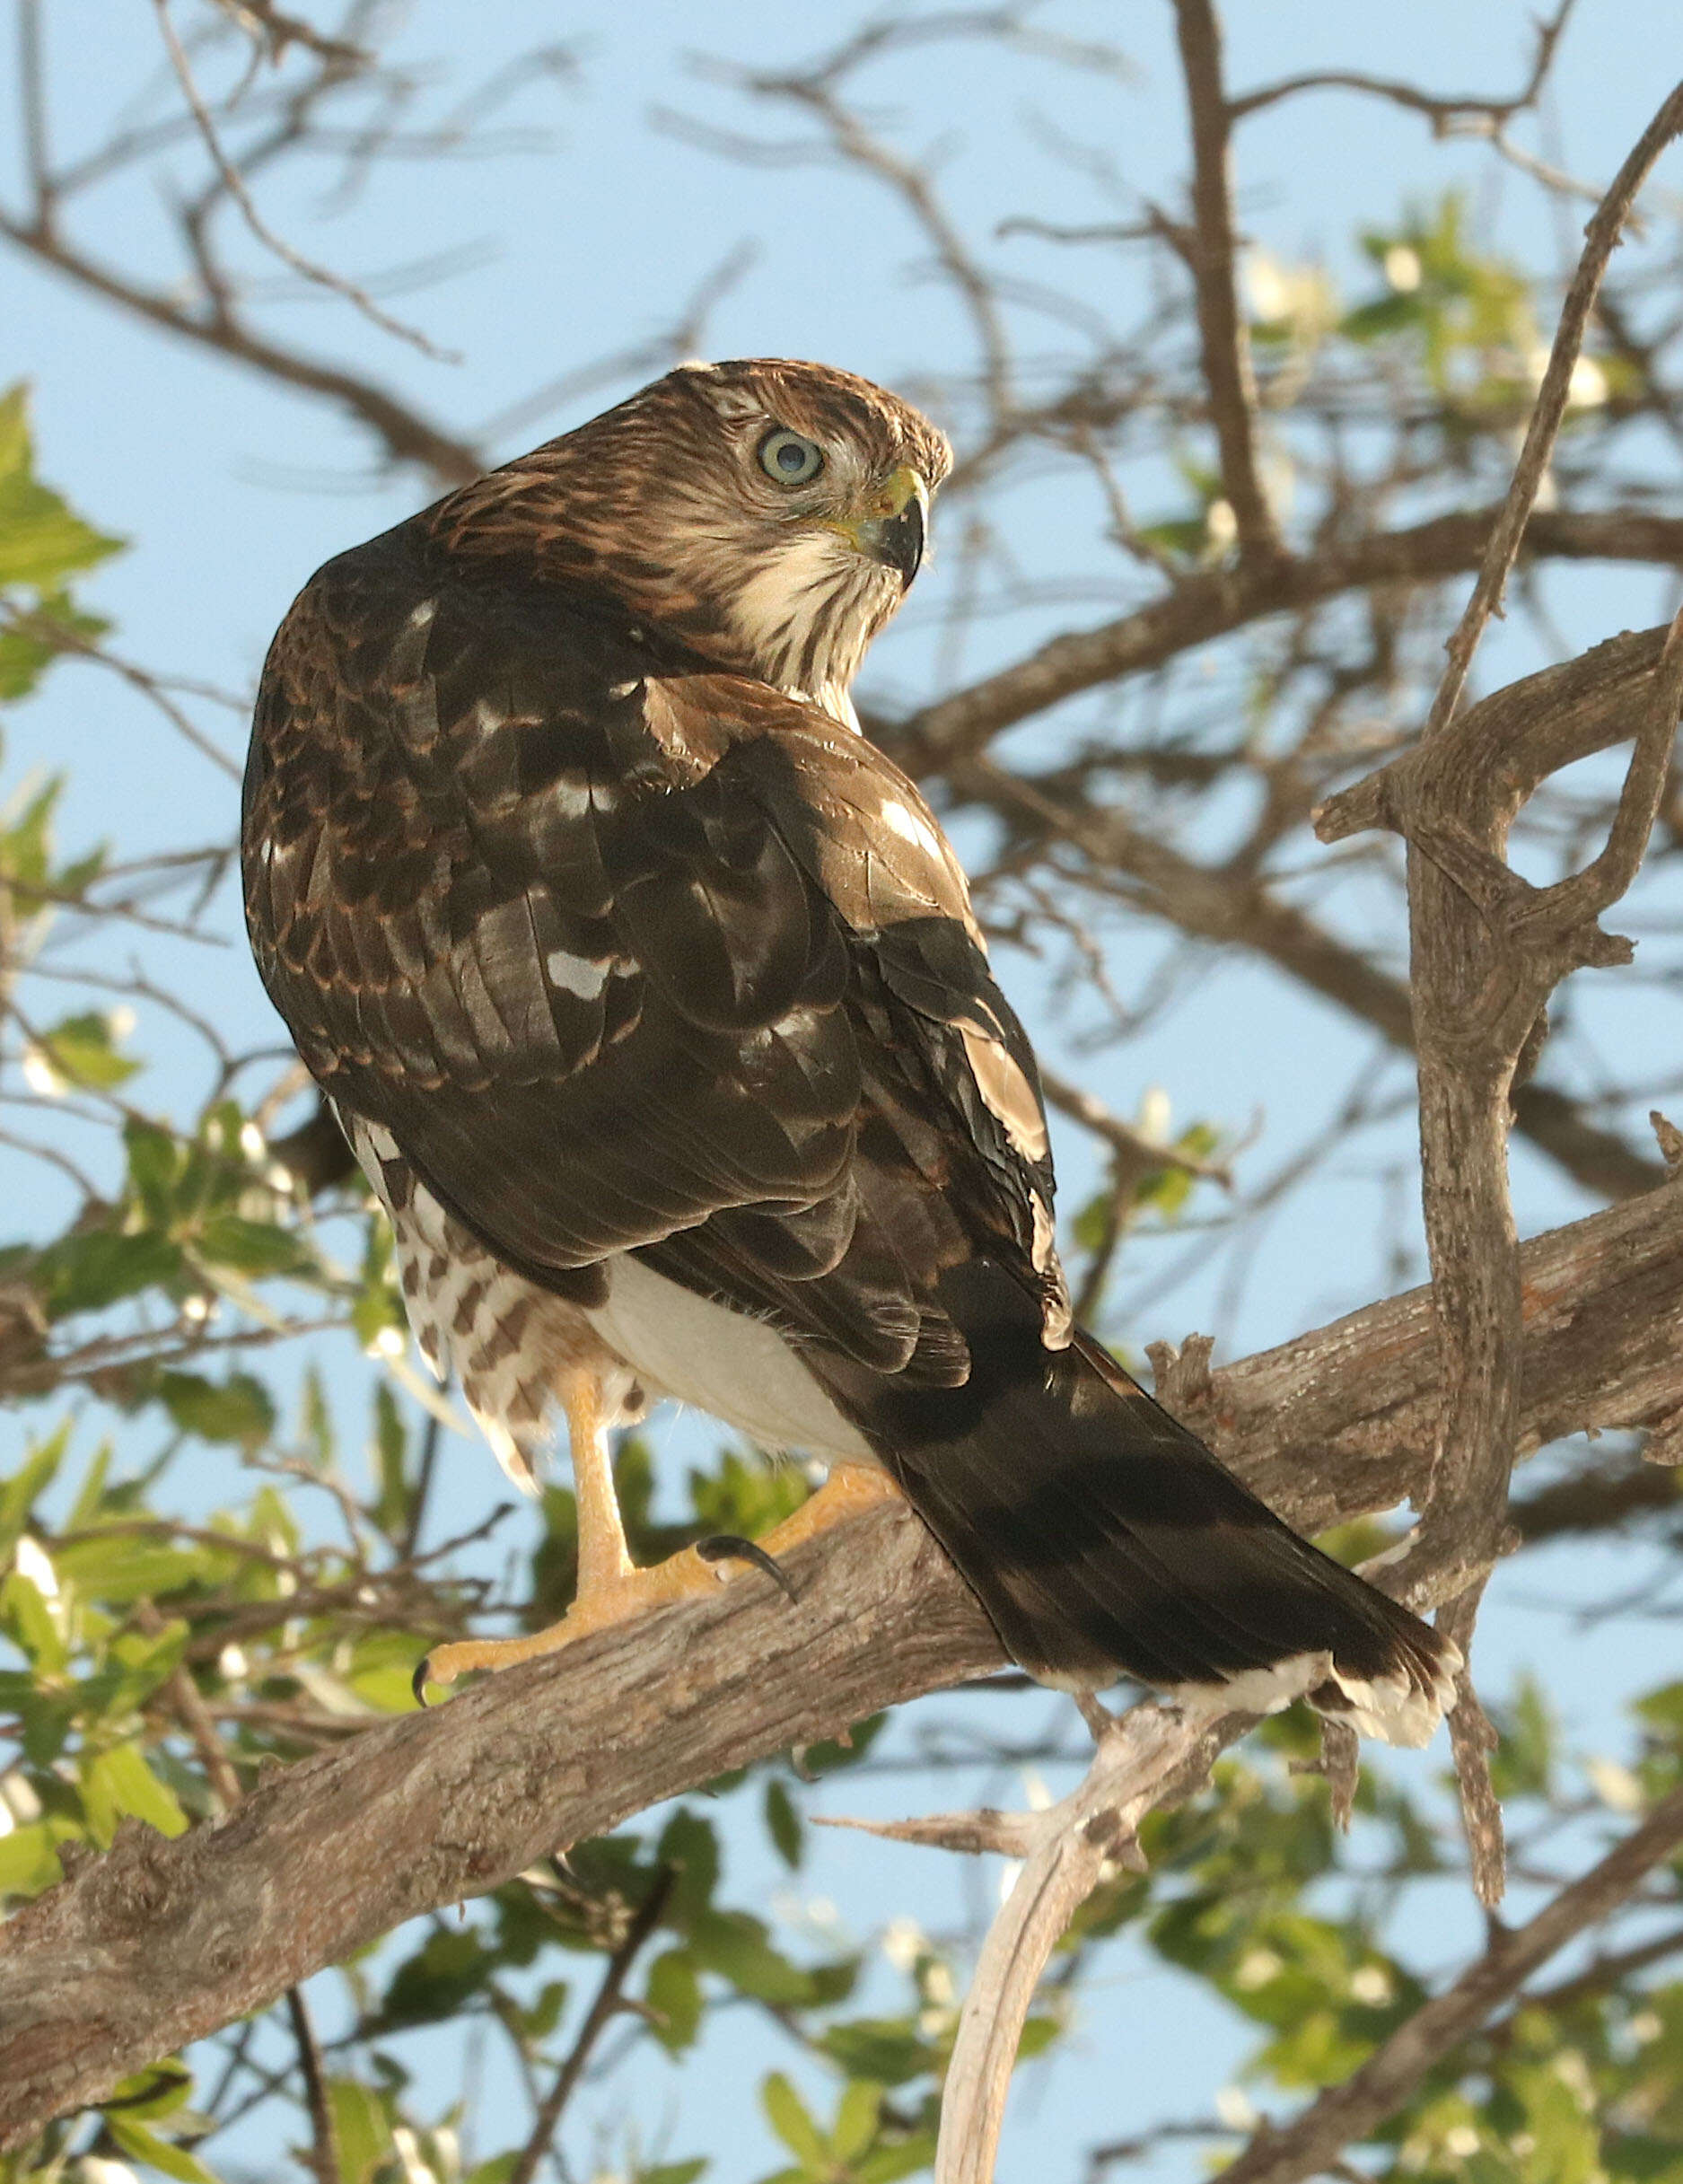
[(1224, 339), (1450, 115), (1239, 909), (160, 1941), (324, 2157), (403, 431), (234, 183), (1487, 952), (1603, 235), (1214, 602), (1153, 1755)]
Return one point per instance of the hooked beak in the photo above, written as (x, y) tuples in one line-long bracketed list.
[(893, 527)]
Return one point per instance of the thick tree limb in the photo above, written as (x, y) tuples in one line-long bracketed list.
[(160, 1942)]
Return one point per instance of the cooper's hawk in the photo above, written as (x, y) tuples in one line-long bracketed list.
[(649, 994)]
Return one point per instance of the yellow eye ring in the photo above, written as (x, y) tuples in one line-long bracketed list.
[(788, 459)]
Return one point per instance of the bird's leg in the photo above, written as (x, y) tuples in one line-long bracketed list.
[(604, 1558), (611, 1589)]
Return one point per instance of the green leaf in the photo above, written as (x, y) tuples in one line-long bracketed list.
[(162, 2154), (155, 1163), (119, 1567), (734, 1945), (239, 1409), (316, 1426), (450, 1967), (31, 1478), (887, 2164), (87, 1273), (886, 2049), (29, 1861), (391, 1508), (137, 1663), (25, 845), (118, 1781), (789, 2119), (540, 2019), (783, 1822), (40, 539), (857, 2115), (689, 1847), (674, 1995), (361, 2128), (1389, 314), (90, 1493), (832, 1753), (25, 653), (1522, 1763), (33, 1619), (251, 1246), (672, 2172), (378, 1304), (83, 1050), (162, 2088)]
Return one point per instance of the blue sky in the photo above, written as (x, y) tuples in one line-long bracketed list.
[(232, 490)]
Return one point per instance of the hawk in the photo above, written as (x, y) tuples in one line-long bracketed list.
[(649, 995)]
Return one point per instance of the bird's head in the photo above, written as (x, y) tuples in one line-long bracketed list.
[(773, 513)]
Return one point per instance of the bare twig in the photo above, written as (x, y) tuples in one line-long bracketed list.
[(1142, 1154), (279, 29), (52, 629), (1487, 951), (816, 89), (1603, 235), (1210, 248), (403, 431), (1232, 910), (233, 182), (324, 2149), (615, 1973), (1008, 1835), (1212, 603), (33, 87), (1449, 114)]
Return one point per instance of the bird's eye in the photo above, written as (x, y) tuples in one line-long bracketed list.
[(789, 458)]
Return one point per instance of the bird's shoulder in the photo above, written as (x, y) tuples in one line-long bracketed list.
[(611, 940)]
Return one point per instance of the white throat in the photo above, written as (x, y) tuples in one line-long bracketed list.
[(805, 615)]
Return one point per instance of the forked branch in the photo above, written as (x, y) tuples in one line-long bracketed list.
[(1487, 952)]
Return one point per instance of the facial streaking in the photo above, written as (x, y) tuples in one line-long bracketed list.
[(772, 513)]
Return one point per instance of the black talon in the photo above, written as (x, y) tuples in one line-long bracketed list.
[(417, 1682), (725, 1546)]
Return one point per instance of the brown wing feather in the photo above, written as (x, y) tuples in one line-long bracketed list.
[(628, 954)]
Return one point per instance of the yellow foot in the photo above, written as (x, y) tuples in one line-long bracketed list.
[(620, 1598), (850, 1488)]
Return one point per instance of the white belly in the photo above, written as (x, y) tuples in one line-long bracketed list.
[(723, 1363)]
